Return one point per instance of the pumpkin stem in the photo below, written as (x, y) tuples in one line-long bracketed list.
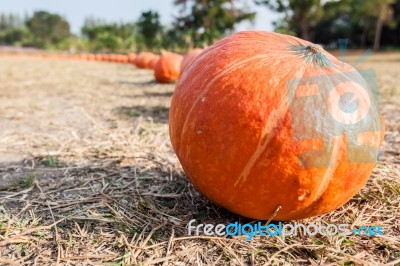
[(315, 48), (312, 54)]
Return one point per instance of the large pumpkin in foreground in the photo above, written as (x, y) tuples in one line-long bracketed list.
[(167, 68), (265, 123), (189, 57)]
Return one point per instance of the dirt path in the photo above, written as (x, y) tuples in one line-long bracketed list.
[(76, 109)]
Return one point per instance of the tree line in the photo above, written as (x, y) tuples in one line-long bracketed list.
[(372, 23)]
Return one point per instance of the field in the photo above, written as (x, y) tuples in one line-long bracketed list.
[(88, 177)]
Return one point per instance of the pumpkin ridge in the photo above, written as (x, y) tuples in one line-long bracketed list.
[(262, 141), (330, 171), (208, 87), (210, 49), (276, 115), (326, 179)]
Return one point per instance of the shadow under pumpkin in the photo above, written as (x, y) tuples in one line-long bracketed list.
[(159, 114), (132, 199)]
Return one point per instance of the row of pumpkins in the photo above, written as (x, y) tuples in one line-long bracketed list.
[(167, 67), (242, 141)]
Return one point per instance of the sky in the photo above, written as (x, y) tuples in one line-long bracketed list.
[(75, 11)]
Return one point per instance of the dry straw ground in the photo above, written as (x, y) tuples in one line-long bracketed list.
[(88, 177)]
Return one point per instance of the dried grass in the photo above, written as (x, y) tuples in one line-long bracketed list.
[(88, 177)]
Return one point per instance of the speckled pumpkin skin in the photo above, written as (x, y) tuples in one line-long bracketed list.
[(189, 57), (230, 126)]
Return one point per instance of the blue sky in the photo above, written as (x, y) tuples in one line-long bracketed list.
[(117, 10)]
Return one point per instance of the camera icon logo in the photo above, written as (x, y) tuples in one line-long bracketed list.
[(348, 102), (326, 107)]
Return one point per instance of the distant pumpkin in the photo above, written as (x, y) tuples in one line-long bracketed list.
[(123, 59), (153, 62), (99, 57), (131, 58), (114, 58), (257, 126), (143, 59), (189, 57), (168, 67), (107, 57), (91, 57)]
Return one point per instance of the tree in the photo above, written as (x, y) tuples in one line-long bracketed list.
[(149, 27), (10, 21), (173, 39), (12, 30), (300, 15), (369, 16), (205, 21), (336, 23), (48, 28), (383, 12), (108, 37)]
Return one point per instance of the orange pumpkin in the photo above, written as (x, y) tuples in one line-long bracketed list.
[(153, 62), (99, 57), (257, 126), (131, 58), (168, 67), (110, 57), (91, 57), (143, 59), (123, 59), (75, 57), (139, 61), (114, 58), (189, 57)]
